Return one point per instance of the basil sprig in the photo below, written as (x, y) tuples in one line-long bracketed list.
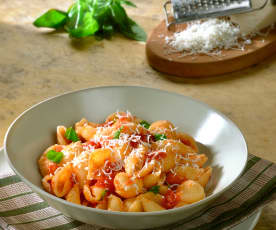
[(71, 135), (54, 156), (145, 124), (160, 137), (155, 189), (118, 133), (93, 17)]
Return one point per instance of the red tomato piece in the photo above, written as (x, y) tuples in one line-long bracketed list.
[(174, 179), (161, 155), (52, 167), (106, 182), (170, 199), (147, 138), (93, 143), (58, 148), (124, 119), (134, 144)]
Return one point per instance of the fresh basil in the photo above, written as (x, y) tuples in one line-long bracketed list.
[(54, 156), (71, 135), (160, 137), (51, 19), (134, 31), (118, 133), (81, 22), (145, 124), (128, 3), (155, 189), (94, 17)]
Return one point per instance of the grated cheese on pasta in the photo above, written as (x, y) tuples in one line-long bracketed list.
[(135, 153)]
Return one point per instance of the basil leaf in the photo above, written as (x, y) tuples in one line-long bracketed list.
[(119, 16), (103, 15), (54, 156), (134, 31), (51, 19), (128, 3), (107, 31), (118, 133), (160, 137), (155, 189), (145, 124), (103, 194), (71, 135), (81, 22)]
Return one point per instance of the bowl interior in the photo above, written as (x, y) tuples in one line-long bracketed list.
[(217, 136)]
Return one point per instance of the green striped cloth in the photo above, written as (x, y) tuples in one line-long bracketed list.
[(20, 208)]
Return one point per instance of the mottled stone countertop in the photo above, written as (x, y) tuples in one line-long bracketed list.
[(37, 64)]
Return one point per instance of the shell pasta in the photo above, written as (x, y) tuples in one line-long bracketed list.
[(125, 164)]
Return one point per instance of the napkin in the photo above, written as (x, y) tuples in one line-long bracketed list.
[(22, 209)]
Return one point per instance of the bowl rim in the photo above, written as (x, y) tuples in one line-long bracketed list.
[(100, 211)]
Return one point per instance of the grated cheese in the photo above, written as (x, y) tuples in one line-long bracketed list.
[(209, 36)]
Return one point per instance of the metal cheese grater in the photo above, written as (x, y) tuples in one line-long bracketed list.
[(188, 10)]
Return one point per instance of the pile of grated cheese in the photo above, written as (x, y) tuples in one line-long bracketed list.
[(208, 37)]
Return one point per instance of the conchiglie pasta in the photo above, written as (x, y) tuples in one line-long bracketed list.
[(62, 181), (151, 180), (88, 195), (46, 183), (127, 187), (114, 203), (163, 127), (187, 140), (74, 194), (173, 146), (122, 150), (80, 171), (192, 159), (97, 160), (136, 206), (151, 206), (125, 164), (134, 163), (190, 191), (85, 129), (61, 139)]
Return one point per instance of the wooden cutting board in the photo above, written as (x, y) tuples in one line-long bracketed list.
[(161, 58)]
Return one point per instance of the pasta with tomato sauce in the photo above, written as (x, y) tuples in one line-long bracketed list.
[(125, 164)]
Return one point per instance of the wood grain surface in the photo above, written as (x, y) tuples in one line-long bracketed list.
[(36, 64)]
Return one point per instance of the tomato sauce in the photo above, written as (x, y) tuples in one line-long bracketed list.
[(58, 148), (172, 178), (52, 167), (92, 143), (186, 142), (106, 180)]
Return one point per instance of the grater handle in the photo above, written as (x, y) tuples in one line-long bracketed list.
[(169, 24)]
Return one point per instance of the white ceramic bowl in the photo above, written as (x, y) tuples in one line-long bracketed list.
[(218, 137)]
